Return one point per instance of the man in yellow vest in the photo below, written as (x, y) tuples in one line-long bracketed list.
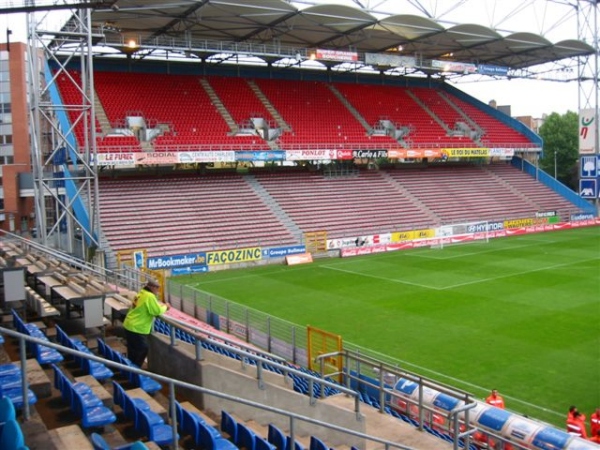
[(140, 319)]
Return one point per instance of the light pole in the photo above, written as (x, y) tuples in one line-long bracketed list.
[(555, 168)]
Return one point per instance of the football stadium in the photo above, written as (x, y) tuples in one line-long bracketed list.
[(277, 225)]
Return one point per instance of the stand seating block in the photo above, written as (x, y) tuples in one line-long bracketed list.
[(98, 390), (154, 405)]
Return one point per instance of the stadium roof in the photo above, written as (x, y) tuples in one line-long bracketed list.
[(270, 29)]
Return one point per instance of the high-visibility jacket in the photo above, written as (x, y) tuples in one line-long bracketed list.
[(577, 426), (496, 401), (141, 318), (595, 423)]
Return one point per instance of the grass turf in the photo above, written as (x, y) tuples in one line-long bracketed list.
[(520, 314)]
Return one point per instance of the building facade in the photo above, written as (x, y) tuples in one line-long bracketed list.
[(16, 193)]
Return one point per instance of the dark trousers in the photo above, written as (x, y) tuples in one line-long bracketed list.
[(137, 347)]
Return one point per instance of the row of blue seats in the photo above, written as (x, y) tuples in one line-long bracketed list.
[(164, 328), (300, 384), (142, 381), (96, 369), (82, 400), (44, 355), (241, 435), (99, 443), (145, 421), (11, 435), (11, 385), (203, 435)]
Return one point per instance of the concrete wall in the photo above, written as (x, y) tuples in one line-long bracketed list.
[(224, 374)]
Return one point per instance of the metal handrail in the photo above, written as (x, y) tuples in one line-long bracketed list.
[(172, 383)]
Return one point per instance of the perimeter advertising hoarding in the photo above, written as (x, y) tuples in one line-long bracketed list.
[(488, 69), (280, 252), (493, 419), (516, 228), (238, 255), (173, 261), (521, 430), (453, 66), (335, 55), (115, 159), (249, 156), (550, 439), (390, 59), (588, 127), (310, 155)]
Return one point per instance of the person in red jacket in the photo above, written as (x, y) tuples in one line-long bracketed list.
[(572, 411), (595, 423), (495, 399), (576, 425)]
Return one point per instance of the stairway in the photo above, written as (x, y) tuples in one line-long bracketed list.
[(428, 213), (101, 116), (283, 217), (429, 111), (216, 101), (274, 113), (467, 119), (351, 108)]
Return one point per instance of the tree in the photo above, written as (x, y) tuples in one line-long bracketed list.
[(561, 147)]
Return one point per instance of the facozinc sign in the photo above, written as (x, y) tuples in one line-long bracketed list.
[(238, 255)]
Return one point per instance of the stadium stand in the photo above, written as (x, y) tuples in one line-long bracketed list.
[(479, 199), (315, 115), (366, 202), (390, 106), (184, 116), (187, 214), (494, 132)]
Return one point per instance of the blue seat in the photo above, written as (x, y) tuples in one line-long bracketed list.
[(317, 444), (11, 381), (276, 437), (297, 445), (246, 437), (131, 411), (7, 412), (12, 436), (96, 369), (229, 425), (160, 433), (102, 348), (189, 424), (16, 396), (144, 382), (209, 442), (99, 443), (95, 416), (263, 444), (9, 369), (126, 402)]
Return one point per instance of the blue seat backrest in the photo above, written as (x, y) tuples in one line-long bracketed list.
[(276, 437), (7, 410), (229, 425), (12, 435)]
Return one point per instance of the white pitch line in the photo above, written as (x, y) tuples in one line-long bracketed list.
[(393, 280), (466, 283), (539, 269), (494, 250)]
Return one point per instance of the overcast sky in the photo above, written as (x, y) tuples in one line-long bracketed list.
[(553, 19)]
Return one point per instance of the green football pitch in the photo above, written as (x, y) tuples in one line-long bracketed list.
[(520, 314)]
